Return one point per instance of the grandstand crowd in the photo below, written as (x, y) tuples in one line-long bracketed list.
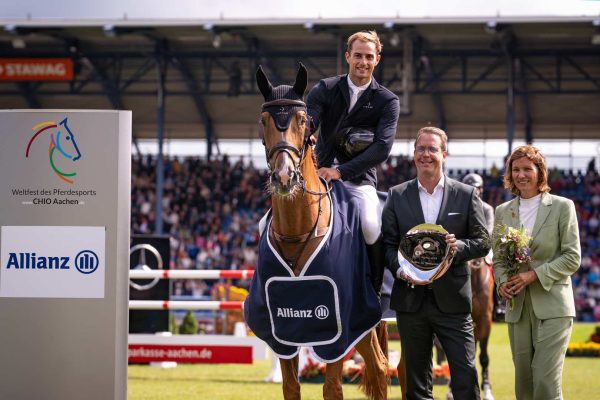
[(211, 211)]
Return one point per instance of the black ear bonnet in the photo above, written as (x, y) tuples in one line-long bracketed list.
[(284, 101)]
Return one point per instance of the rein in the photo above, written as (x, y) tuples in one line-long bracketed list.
[(303, 239)]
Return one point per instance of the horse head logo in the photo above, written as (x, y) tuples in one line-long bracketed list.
[(61, 140)]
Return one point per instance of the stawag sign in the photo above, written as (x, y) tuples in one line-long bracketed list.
[(36, 69), (52, 261)]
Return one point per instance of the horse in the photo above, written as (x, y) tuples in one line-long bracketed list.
[(64, 142), (482, 288), (225, 322), (298, 230)]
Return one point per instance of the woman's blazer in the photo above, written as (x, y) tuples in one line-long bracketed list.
[(555, 253)]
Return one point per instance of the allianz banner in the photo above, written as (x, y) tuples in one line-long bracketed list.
[(65, 207), (52, 261)]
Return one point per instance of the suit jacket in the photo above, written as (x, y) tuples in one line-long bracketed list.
[(461, 213), (376, 109), (556, 255)]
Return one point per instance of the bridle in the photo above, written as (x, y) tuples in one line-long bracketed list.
[(282, 111)]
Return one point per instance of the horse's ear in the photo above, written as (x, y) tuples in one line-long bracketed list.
[(301, 81), (263, 83)]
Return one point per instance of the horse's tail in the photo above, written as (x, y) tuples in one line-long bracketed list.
[(382, 337), (375, 380)]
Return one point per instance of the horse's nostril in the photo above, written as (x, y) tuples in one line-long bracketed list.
[(273, 177)]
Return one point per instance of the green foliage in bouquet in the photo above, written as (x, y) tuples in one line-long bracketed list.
[(511, 245)]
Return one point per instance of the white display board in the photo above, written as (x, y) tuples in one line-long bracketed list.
[(64, 253)]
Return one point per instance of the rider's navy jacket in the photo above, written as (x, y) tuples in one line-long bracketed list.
[(331, 305), (377, 109)]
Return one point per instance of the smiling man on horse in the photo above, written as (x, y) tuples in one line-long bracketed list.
[(357, 118)]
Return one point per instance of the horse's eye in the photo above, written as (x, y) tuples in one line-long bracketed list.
[(302, 120), (68, 137)]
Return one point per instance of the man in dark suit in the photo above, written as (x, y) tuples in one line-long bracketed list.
[(441, 307), (356, 100)]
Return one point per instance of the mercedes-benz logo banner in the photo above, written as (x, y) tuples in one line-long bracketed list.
[(423, 254)]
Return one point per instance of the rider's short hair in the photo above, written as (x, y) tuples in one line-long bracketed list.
[(365, 36)]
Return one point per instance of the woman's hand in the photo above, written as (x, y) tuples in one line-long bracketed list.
[(504, 292), (516, 283)]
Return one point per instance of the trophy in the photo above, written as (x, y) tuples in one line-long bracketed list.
[(423, 254)]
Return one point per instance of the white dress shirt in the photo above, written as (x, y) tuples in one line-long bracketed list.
[(355, 91), (431, 203)]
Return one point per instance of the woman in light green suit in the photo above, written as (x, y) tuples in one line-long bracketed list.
[(541, 319)]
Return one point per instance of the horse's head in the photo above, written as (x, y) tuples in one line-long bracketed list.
[(285, 131), (65, 142)]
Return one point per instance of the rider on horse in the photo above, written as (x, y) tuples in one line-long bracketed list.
[(311, 285), (357, 118)]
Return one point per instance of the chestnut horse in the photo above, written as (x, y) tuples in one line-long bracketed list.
[(482, 287), (301, 216)]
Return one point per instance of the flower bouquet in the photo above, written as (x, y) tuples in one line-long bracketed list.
[(511, 245)]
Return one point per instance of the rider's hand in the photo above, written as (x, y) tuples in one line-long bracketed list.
[(329, 174)]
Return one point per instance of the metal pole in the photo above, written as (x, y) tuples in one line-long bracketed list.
[(161, 63), (510, 105)]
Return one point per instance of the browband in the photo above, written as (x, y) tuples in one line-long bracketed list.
[(283, 102)]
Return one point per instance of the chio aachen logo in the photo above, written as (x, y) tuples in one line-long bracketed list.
[(86, 261), (61, 139), (321, 312)]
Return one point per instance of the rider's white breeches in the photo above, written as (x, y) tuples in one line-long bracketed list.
[(370, 210)]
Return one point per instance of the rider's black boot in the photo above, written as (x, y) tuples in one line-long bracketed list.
[(376, 253)]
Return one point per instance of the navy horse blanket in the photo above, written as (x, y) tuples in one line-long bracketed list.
[(331, 305)]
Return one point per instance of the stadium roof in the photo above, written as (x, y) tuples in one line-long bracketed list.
[(532, 75)]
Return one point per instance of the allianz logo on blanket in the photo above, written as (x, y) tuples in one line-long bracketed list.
[(321, 312)]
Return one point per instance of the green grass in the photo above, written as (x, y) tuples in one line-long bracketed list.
[(581, 377)]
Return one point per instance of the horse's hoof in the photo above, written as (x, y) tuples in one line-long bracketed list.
[(487, 395)]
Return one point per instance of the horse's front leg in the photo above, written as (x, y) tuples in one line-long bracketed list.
[(289, 374), (332, 389), (376, 366), (401, 369), (484, 360), (485, 329)]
